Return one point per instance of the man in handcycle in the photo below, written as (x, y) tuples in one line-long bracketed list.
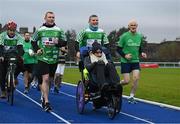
[(101, 76)]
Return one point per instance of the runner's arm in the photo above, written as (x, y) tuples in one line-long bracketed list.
[(120, 51)]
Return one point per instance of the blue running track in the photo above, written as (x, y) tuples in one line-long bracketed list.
[(27, 109)]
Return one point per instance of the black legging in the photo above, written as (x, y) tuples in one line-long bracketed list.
[(111, 73), (104, 74)]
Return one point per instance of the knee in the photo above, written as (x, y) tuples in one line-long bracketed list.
[(135, 78), (46, 79)]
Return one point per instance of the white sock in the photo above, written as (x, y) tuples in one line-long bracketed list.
[(122, 81), (42, 96), (131, 95)]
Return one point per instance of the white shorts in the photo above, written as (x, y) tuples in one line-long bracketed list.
[(60, 69)]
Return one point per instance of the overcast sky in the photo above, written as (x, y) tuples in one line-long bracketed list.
[(157, 19)]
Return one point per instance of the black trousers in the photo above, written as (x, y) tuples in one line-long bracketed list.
[(104, 74)]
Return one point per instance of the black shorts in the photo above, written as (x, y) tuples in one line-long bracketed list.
[(43, 68), (19, 68), (34, 70), (28, 67), (129, 67)]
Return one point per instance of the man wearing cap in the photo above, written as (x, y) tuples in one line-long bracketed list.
[(101, 71), (8, 39)]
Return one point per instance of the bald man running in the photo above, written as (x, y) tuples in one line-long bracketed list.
[(130, 49)]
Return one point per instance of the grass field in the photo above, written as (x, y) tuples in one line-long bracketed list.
[(160, 85)]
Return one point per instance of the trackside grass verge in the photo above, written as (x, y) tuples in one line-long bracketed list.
[(160, 84)]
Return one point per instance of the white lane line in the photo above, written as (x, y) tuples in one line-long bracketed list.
[(132, 116), (75, 97), (53, 113), (67, 94), (137, 118), (142, 100)]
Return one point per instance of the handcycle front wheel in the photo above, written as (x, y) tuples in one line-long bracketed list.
[(10, 88), (80, 97)]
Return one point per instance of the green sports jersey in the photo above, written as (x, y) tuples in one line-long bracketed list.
[(6, 41), (46, 39), (26, 57), (130, 43), (87, 37)]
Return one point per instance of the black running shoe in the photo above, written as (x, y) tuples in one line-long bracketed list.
[(131, 100), (47, 107), (26, 90)]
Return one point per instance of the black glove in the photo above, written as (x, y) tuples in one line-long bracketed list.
[(101, 62), (94, 63)]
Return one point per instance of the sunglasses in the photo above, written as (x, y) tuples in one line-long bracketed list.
[(98, 52)]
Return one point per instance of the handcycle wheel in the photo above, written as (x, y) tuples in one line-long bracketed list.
[(80, 97), (10, 88), (112, 107)]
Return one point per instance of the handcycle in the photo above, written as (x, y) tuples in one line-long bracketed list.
[(110, 96), (10, 55)]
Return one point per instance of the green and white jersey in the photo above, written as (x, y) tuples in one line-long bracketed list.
[(47, 38), (87, 37), (26, 57), (7, 42), (130, 44)]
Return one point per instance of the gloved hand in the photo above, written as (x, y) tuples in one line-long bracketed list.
[(100, 62), (94, 63)]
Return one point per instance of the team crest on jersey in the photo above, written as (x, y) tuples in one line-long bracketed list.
[(130, 42), (91, 41), (49, 41)]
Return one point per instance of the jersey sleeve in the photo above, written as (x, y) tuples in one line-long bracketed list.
[(121, 41), (63, 36), (35, 36), (105, 39), (80, 37), (1, 39), (20, 39)]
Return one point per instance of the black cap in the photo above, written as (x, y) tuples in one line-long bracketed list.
[(96, 46)]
